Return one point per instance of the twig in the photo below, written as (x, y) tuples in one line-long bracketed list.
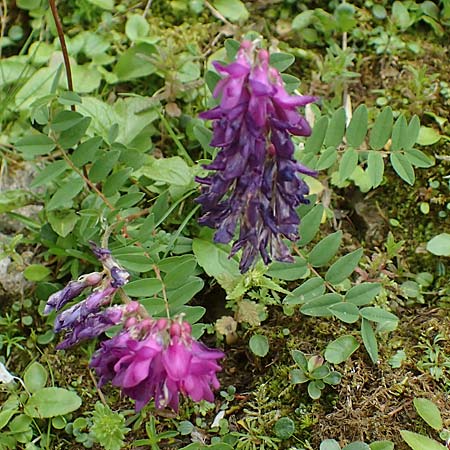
[(62, 41), (217, 14), (147, 8), (99, 391), (164, 293), (86, 180)]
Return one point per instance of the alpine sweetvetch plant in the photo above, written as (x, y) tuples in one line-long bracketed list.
[(256, 185)]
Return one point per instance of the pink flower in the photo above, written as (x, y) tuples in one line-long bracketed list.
[(158, 359)]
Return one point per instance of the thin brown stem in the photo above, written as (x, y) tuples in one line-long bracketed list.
[(86, 180), (62, 41)]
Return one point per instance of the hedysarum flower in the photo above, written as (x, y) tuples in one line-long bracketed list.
[(256, 186), (158, 359)]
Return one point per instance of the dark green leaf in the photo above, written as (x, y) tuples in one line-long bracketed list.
[(403, 167), (343, 267), (327, 159), (35, 145), (347, 312), (325, 249), (102, 166), (281, 61), (284, 428), (357, 128), (340, 349), (314, 287), (64, 195), (314, 142), (381, 130), (336, 129), (145, 287), (310, 224), (49, 173), (320, 306), (348, 164), (369, 340), (65, 120), (289, 271), (70, 137), (412, 133), (418, 158), (375, 168), (363, 293)]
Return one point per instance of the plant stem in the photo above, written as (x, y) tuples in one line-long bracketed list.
[(62, 41)]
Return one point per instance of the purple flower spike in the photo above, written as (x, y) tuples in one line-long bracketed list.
[(73, 289), (161, 364), (77, 314), (256, 185), (92, 326)]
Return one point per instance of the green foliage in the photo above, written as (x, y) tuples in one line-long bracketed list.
[(313, 371), (108, 427), (348, 155)]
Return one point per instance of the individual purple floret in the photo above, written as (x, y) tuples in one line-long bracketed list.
[(92, 326), (256, 186), (71, 290), (158, 359), (118, 274)]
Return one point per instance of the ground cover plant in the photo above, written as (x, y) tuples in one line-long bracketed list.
[(224, 225)]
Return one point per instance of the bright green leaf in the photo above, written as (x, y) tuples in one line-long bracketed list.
[(341, 349), (419, 442), (403, 167), (259, 345), (52, 402), (429, 412)]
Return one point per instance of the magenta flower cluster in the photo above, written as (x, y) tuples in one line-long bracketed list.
[(256, 185), (149, 358), (158, 359)]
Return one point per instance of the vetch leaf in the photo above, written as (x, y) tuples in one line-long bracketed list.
[(369, 340), (428, 136), (143, 288), (336, 129), (347, 312), (309, 225), (314, 287), (376, 314), (348, 164), (35, 145), (64, 195), (418, 158), (327, 159), (399, 133), (357, 128), (341, 349), (343, 267), (429, 412), (403, 167), (314, 143), (381, 129), (281, 61), (49, 173), (288, 271), (65, 120), (325, 249), (36, 272), (320, 306), (363, 293), (375, 168), (412, 133)]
